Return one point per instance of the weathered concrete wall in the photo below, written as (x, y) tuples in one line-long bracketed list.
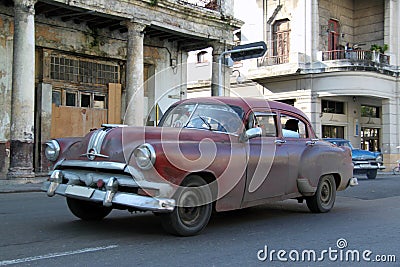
[(360, 21), (78, 38), (369, 22)]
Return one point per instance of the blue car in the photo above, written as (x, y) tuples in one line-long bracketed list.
[(365, 162)]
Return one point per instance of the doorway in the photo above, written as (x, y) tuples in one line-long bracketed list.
[(370, 139)]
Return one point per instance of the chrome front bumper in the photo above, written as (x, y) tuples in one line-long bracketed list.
[(367, 166), (108, 197)]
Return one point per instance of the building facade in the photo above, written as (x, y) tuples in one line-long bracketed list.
[(338, 61), (69, 66)]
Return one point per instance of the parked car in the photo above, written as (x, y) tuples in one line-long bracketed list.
[(365, 162), (216, 153)]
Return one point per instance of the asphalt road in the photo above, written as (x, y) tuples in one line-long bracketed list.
[(40, 231)]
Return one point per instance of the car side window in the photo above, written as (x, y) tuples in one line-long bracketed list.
[(267, 122), (293, 127)]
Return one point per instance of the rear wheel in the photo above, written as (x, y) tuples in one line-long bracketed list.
[(87, 211), (324, 197), (372, 174), (193, 208)]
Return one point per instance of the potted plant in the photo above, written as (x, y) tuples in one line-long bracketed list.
[(377, 50)]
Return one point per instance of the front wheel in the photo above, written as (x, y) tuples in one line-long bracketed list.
[(372, 174), (324, 197), (87, 211), (193, 208)]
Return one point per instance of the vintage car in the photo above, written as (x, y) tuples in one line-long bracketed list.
[(365, 162), (207, 154)]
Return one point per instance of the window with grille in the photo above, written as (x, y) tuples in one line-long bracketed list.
[(82, 71)]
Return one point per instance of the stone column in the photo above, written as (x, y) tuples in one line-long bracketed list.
[(23, 91), (390, 128), (218, 49), (311, 30), (392, 30), (134, 114)]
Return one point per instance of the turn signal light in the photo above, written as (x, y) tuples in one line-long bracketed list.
[(100, 183)]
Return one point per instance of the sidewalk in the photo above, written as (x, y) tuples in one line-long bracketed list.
[(21, 185)]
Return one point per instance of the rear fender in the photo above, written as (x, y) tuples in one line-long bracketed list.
[(322, 159)]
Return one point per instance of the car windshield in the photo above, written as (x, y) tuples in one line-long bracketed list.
[(213, 117), (341, 143)]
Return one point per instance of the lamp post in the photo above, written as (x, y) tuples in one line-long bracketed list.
[(238, 53)]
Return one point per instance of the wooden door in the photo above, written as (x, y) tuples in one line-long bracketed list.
[(69, 121), (333, 38)]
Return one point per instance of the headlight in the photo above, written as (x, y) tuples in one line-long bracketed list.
[(52, 150), (379, 158), (145, 156)]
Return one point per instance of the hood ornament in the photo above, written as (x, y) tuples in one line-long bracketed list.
[(95, 143), (92, 154)]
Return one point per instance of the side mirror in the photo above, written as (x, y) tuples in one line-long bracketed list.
[(251, 133)]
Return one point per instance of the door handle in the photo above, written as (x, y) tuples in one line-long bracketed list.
[(312, 142), (280, 142)]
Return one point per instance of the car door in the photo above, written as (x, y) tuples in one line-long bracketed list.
[(267, 162), (295, 139)]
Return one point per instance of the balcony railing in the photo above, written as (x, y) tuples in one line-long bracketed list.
[(356, 55), (362, 56), (268, 60), (209, 4)]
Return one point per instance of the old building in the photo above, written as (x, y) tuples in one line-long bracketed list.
[(338, 61), (69, 66)]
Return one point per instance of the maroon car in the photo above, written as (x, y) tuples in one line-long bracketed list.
[(206, 154)]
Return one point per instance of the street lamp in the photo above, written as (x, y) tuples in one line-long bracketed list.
[(239, 78), (238, 53)]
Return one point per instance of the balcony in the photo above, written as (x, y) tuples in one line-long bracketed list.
[(360, 56)]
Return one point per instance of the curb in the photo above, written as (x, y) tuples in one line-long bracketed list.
[(22, 185)]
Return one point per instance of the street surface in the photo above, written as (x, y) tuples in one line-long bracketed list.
[(40, 231)]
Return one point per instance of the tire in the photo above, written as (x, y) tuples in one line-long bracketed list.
[(324, 197), (193, 208), (87, 211), (372, 174)]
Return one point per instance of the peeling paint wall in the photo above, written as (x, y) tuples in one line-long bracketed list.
[(79, 39)]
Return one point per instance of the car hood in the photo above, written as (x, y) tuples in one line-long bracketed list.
[(116, 144), (358, 154)]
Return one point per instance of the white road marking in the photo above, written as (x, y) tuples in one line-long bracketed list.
[(55, 255)]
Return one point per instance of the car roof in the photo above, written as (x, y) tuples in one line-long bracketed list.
[(246, 103), (336, 139)]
